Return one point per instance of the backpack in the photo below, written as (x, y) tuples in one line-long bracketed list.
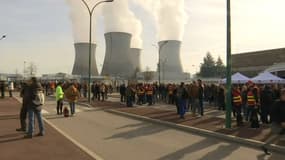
[(39, 98)]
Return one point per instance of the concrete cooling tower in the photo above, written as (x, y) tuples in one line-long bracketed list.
[(81, 63), (171, 67), (118, 61), (135, 54)]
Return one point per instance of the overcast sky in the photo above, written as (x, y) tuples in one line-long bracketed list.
[(40, 31)]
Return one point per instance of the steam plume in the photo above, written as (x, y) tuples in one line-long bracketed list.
[(119, 18)]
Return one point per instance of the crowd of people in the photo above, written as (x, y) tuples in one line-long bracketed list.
[(250, 102), (255, 103)]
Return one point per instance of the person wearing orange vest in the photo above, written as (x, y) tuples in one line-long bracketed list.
[(140, 94), (237, 102), (149, 94), (252, 100)]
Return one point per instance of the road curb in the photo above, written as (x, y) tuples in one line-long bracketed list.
[(197, 131)]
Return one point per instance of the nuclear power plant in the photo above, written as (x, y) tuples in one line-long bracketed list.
[(81, 63), (118, 59), (170, 63)]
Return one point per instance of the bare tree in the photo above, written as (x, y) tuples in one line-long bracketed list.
[(148, 74), (31, 69)]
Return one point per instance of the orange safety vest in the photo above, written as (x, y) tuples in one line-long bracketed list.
[(237, 98), (170, 90), (140, 92), (149, 91), (250, 99)]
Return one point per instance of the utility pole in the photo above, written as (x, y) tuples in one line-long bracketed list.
[(229, 68)]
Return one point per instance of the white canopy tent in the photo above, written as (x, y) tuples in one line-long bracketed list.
[(267, 78), (237, 78)]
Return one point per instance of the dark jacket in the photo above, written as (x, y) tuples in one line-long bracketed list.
[(266, 98), (278, 112), (31, 95)]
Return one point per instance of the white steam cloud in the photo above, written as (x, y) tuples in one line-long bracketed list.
[(80, 20), (170, 17), (119, 18)]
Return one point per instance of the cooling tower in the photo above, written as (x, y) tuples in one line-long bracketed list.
[(171, 67), (135, 54), (81, 63), (118, 61)]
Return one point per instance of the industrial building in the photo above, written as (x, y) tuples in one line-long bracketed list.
[(252, 63)]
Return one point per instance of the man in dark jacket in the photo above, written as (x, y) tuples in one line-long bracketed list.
[(278, 122), (123, 92), (23, 112), (266, 101), (33, 88)]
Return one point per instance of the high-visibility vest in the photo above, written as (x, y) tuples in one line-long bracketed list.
[(237, 98), (170, 90), (149, 91), (140, 92), (251, 99)]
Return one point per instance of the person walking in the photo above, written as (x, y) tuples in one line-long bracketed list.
[(72, 95), (266, 102), (24, 109), (35, 98), (278, 122), (103, 91), (59, 98), (11, 88), (182, 96)]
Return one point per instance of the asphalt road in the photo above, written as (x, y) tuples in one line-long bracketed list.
[(118, 138)]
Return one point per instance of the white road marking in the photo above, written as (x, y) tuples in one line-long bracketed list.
[(44, 111)]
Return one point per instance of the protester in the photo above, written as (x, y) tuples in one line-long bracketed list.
[(201, 96), (130, 92), (237, 102), (24, 109), (266, 101), (278, 122), (72, 95), (2, 88), (34, 90), (11, 88), (194, 94), (59, 98), (123, 92), (149, 94), (252, 107), (182, 97), (103, 91)]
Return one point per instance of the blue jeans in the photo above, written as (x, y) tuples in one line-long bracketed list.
[(201, 105), (182, 107), (32, 112), (72, 107)]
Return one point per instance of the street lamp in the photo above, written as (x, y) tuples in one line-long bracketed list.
[(3, 37), (91, 11), (160, 47), (229, 68)]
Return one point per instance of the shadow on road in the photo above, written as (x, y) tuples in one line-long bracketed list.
[(220, 153), (143, 130)]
